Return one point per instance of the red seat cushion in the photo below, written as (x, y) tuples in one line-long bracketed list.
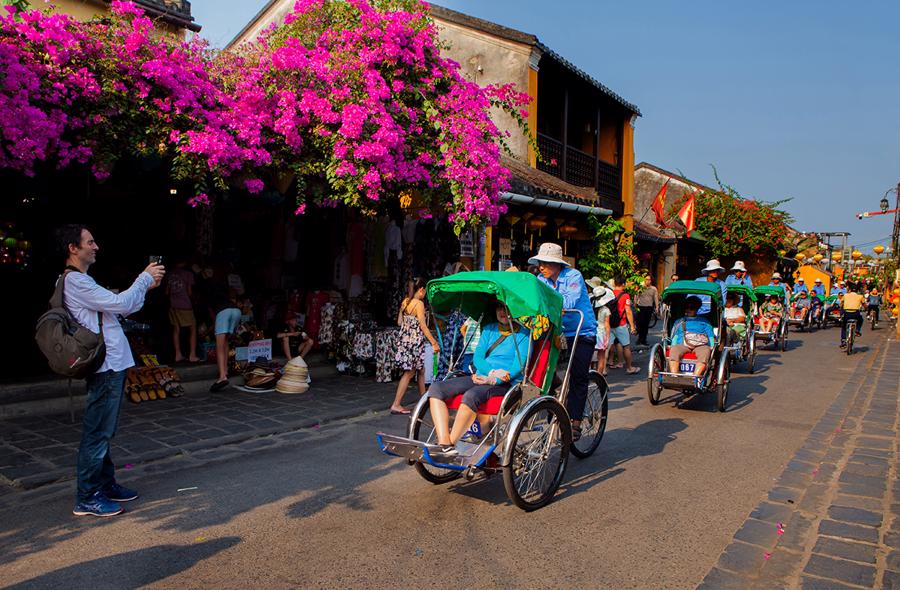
[(492, 406), (689, 356)]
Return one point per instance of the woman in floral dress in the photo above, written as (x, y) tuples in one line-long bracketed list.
[(411, 342)]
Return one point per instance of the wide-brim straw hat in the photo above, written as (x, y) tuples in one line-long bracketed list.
[(739, 265), (776, 275), (549, 252), (594, 282), (711, 266)]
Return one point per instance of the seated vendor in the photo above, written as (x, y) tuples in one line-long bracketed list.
[(735, 318), (770, 313), (802, 306), (499, 359), (691, 334), (294, 341)]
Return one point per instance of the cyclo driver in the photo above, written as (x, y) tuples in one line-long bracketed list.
[(568, 282)]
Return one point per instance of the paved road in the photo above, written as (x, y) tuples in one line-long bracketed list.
[(323, 508)]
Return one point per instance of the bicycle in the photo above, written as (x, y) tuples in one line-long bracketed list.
[(851, 336), (872, 316)]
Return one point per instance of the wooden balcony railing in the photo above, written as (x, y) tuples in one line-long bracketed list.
[(578, 168)]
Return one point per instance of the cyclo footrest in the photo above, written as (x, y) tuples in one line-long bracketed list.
[(414, 450)]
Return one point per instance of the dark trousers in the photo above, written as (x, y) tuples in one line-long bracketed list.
[(578, 377), (851, 315), (644, 314), (875, 309), (101, 416)]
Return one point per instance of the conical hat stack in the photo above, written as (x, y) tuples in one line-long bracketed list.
[(295, 374)]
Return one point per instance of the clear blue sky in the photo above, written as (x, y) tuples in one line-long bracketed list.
[(788, 99)]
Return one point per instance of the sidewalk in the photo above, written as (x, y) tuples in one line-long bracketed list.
[(37, 450), (832, 520)]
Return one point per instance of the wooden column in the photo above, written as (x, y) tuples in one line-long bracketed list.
[(565, 134)]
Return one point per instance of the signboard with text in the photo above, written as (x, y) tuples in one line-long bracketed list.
[(259, 348)]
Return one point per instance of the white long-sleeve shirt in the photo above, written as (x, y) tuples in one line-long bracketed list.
[(83, 297)]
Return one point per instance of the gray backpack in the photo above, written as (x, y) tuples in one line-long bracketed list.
[(72, 350)]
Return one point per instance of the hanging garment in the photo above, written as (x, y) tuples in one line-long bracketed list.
[(326, 326), (385, 347), (364, 346)]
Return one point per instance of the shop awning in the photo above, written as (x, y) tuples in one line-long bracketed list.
[(649, 233)]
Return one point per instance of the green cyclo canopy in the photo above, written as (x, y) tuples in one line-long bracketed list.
[(681, 289), (521, 292), (764, 291)]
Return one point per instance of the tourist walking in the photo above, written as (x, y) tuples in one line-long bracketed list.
[(410, 356), (96, 308), (179, 288), (226, 315), (647, 304)]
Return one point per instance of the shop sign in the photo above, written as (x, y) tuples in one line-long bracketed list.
[(241, 354), (505, 247), (259, 348), (466, 245)]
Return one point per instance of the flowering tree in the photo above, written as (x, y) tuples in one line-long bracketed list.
[(350, 96), (612, 257), (733, 225)]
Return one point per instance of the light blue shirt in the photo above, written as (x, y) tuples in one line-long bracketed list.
[(510, 355), (819, 290), (706, 300), (84, 298), (733, 280), (798, 288), (570, 284), (838, 291)]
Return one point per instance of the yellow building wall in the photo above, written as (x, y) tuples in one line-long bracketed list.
[(532, 113), (810, 274), (628, 176), (85, 10)]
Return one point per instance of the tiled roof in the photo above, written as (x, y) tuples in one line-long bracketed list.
[(174, 12), (532, 182), (502, 32)]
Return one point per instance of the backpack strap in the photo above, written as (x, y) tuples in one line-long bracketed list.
[(58, 298), (495, 345)]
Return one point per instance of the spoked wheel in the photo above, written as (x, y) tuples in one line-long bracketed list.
[(723, 383), (851, 336), (596, 411), (784, 333), (657, 365), (422, 428), (538, 453), (751, 357)]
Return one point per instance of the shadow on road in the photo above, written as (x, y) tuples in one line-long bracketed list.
[(619, 446), (132, 569)]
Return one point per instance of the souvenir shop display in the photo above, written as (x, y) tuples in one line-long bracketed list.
[(152, 381)]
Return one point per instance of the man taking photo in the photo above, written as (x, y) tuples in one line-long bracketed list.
[(98, 493)]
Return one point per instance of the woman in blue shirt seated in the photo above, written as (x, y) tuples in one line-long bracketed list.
[(498, 362), (691, 334)]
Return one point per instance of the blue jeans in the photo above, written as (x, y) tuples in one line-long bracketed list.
[(579, 375), (101, 416)]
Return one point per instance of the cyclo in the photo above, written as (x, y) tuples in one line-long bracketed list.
[(795, 316), (744, 349), (832, 313), (777, 336), (530, 435), (717, 376)]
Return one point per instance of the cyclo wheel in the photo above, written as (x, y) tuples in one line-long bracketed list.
[(421, 428), (851, 336), (596, 413), (751, 356), (537, 453), (784, 333), (657, 364), (723, 383)]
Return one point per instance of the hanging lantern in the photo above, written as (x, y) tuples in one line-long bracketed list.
[(837, 255), (536, 223), (818, 258), (406, 199), (513, 220), (879, 249), (895, 299), (10, 242), (856, 255), (800, 257), (896, 290), (782, 253)]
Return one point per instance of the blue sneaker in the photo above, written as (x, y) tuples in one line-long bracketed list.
[(118, 493), (97, 505)]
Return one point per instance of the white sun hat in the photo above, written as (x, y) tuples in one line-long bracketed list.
[(549, 252)]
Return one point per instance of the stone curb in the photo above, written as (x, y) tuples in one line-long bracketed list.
[(58, 475), (774, 544)]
